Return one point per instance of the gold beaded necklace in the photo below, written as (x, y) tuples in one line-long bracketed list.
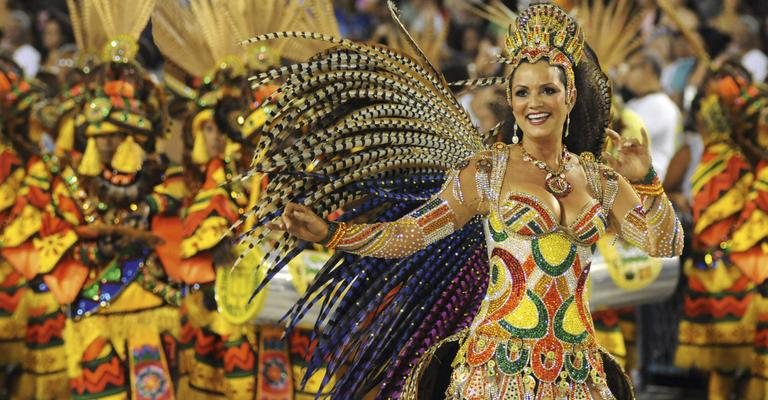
[(555, 181)]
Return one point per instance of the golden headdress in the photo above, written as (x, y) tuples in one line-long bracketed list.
[(539, 31), (109, 29), (200, 28), (546, 31), (280, 15), (212, 31), (611, 30)]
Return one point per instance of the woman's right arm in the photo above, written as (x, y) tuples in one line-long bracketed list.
[(463, 196)]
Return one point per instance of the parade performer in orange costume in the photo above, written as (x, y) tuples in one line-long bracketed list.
[(115, 192), (32, 241), (223, 353)]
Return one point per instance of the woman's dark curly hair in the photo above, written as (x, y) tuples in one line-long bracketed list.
[(592, 112)]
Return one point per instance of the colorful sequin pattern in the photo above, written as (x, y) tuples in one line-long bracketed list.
[(422, 227), (533, 337)]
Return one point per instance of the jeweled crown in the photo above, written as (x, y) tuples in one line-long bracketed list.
[(544, 30)]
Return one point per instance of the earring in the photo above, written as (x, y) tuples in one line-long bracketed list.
[(515, 139), (567, 126)]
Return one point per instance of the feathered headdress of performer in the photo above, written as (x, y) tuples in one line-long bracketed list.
[(124, 100), (373, 132), (212, 29)]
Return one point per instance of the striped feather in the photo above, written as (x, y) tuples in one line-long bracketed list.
[(370, 131)]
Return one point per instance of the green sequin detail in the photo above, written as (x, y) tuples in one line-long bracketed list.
[(112, 274), (578, 375), (92, 292), (560, 333), (509, 366)]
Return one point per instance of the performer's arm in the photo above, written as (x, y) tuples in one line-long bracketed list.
[(464, 195), (645, 218)]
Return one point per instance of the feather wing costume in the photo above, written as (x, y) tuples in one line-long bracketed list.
[(374, 132)]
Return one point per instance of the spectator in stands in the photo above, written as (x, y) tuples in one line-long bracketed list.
[(674, 76), (57, 41), (16, 41), (660, 115), (746, 47)]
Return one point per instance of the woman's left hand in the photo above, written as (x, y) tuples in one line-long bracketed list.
[(633, 158)]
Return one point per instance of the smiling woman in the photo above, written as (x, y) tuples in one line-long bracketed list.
[(462, 268), (540, 102)]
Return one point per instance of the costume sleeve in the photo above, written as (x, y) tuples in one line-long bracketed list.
[(167, 197), (427, 224), (652, 224), (464, 195), (653, 227), (649, 221)]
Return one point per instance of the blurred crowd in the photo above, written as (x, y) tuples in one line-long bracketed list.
[(38, 36)]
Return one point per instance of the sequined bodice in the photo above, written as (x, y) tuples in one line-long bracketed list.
[(534, 323), (524, 215)]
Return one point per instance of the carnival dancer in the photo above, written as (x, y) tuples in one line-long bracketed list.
[(223, 353), (488, 272), (114, 192), (717, 329), (29, 247), (742, 252), (747, 248)]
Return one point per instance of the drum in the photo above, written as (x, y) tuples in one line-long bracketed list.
[(623, 275)]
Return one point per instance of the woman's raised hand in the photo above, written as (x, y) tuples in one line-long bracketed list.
[(300, 221), (633, 158)]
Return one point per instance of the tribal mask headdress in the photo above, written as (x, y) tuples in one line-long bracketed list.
[(211, 29), (750, 110), (715, 103), (121, 98)]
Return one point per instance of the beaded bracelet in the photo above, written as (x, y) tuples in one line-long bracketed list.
[(650, 185), (336, 231), (650, 177)]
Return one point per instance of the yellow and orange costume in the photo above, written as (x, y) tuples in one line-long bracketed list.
[(32, 241), (723, 325), (107, 199), (223, 354)]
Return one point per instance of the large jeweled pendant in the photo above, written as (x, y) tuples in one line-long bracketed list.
[(557, 185)]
